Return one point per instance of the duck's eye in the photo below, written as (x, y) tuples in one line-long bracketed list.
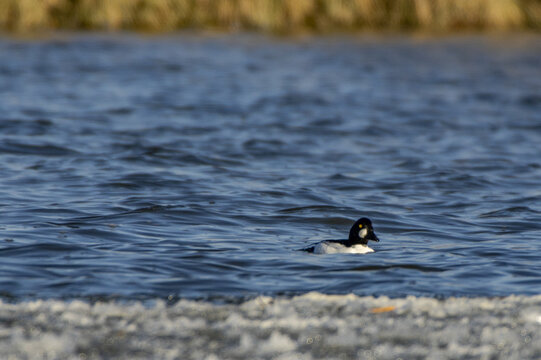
[(360, 226)]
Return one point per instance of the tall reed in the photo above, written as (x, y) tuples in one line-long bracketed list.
[(269, 15)]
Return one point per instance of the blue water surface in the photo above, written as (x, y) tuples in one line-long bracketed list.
[(196, 166)]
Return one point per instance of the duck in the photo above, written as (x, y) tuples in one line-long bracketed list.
[(359, 235)]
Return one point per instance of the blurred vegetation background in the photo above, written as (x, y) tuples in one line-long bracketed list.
[(276, 16)]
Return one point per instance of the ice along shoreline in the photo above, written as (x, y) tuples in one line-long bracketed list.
[(311, 326)]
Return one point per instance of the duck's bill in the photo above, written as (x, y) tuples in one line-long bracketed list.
[(372, 237)]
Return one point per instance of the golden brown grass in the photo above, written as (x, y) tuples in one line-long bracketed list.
[(283, 16)]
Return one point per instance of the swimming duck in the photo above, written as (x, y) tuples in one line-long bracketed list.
[(359, 234)]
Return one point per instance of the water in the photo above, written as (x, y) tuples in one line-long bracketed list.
[(196, 166)]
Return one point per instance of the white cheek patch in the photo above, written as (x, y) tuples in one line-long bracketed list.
[(362, 233)]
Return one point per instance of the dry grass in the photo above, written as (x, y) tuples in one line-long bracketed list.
[(284, 16)]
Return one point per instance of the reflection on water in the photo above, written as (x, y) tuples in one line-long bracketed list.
[(197, 166)]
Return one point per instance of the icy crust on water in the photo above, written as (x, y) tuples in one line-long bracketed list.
[(312, 326)]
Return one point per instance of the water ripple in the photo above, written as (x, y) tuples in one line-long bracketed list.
[(198, 166)]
